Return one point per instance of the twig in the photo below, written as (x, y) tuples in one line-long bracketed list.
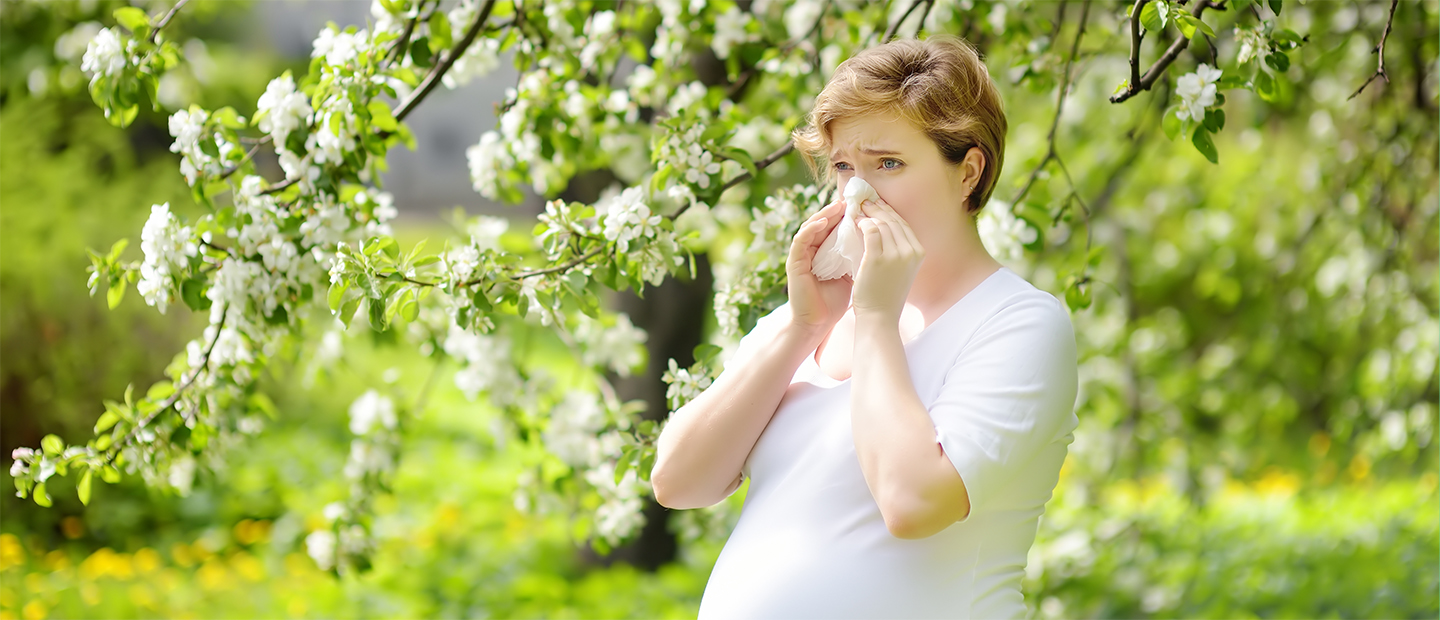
[(895, 27), (440, 69), (248, 154), (1380, 50), (745, 176), (404, 39), (170, 402), (929, 4), (744, 79), (1050, 151), (1144, 82), (165, 21)]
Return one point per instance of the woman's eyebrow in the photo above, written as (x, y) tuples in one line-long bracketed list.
[(867, 151)]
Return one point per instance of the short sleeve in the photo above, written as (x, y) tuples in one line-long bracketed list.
[(761, 335), (1010, 392)]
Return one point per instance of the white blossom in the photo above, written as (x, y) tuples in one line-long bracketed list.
[(627, 218), (486, 230), (686, 97), (480, 59), (460, 262), (339, 48), (571, 431), (683, 386), (385, 21), (1003, 234), (73, 45), (486, 160), (282, 109), (370, 410), (105, 55), (618, 348), (320, 544), (619, 514), (800, 17), (167, 246), (367, 458), (1197, 92), (730, 31), (486, 364)]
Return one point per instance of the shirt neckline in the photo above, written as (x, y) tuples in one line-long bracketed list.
[(829, 381)]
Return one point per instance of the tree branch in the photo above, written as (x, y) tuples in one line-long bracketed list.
[(895, 27), (165, 21), (115, 448), (1144, 82), (440, 69), (1380, 50), (1050, 152)]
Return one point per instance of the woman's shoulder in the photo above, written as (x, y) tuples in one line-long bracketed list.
[(1015, 302)]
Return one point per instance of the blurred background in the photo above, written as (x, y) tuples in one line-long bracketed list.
[(1259, 380)]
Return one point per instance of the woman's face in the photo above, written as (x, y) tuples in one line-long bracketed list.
[(905, 168)]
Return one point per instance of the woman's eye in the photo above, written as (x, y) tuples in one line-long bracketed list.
[(887, 166), (842, 166)]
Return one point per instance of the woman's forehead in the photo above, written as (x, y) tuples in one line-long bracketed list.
[(873, 134)]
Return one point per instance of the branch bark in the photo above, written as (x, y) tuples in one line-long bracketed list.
[(1380, 50), (1144, 82)]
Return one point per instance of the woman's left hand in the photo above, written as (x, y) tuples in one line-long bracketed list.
[(892, 258)]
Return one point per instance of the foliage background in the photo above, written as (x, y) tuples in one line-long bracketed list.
[(1259, 378)]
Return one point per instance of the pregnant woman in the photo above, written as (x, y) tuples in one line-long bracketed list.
[(903, 428)]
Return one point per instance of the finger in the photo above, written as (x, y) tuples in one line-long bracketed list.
[(901, 231), (802, 250), (889, 239), (874, 243)]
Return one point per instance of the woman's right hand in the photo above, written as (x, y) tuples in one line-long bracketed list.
[(816, 306)]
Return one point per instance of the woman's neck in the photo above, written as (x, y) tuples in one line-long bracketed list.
[(955, 262)]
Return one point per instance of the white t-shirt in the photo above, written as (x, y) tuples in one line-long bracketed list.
[(997, 372)]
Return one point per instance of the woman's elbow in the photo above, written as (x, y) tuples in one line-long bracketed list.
[(917, 520)]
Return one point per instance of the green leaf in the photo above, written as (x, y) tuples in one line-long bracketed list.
[(83, 489), (107, 420), (439, 31), (1278, 61), (1215, 120), (52, 445), (337, 294), (706, 353), (347, 310), (133, 19), (160, 391), (1275, 5), (1201, 140), (1171, 123), (380, 115), (1265, 86), (1150, 17), (627, 459), (110, 474), (1186, 23), (41, 497), (193, 292), (114, 295)]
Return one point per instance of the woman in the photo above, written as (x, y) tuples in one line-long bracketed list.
[(904, 429)]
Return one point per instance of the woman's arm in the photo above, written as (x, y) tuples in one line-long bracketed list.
[(914, 483), (700, 452), (918, 490)]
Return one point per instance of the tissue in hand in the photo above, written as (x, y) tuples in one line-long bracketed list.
[(841, 252)]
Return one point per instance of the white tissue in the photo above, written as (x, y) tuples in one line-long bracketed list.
[(841, 253)]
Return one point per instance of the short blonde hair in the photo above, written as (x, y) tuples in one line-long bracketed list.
[(939, 84)]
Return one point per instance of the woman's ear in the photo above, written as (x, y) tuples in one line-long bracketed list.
[(973, 166)]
